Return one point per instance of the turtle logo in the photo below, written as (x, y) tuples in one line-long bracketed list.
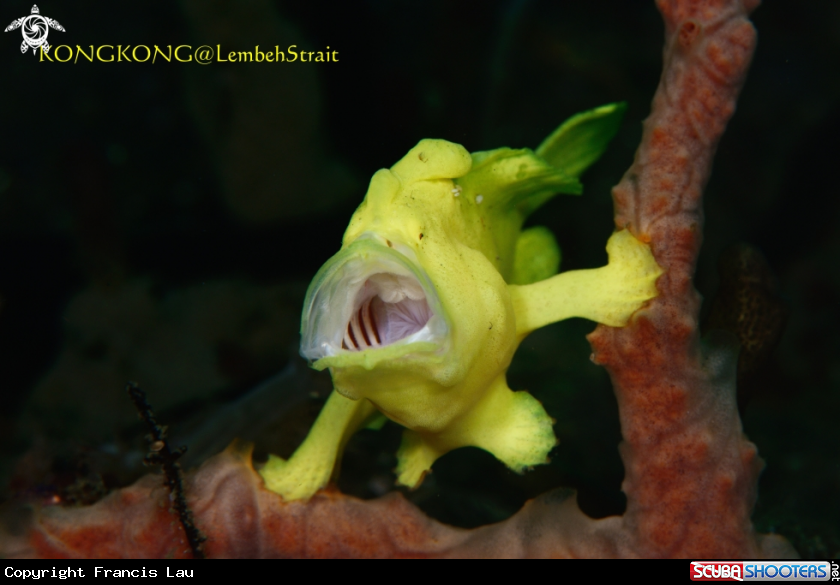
[(35, 29)]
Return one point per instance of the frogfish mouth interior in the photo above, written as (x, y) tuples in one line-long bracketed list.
[(391, 308), (370, 296)]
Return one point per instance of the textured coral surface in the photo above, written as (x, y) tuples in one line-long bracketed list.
[(690, 476), (244, 520)]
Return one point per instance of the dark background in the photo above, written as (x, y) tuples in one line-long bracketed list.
[(161, 223)]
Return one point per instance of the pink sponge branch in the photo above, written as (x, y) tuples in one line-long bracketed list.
[(690, 474)]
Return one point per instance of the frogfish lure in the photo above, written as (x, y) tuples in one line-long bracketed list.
[(419, 314)]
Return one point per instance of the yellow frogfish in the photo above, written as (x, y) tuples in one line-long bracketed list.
[(419, 314)]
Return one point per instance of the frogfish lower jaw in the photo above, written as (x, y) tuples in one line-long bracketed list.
[(368, 298)]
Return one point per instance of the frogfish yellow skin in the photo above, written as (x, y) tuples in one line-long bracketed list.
[(436, 284)]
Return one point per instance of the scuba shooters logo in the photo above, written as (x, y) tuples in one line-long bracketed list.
[(35, 29), (790, 571)]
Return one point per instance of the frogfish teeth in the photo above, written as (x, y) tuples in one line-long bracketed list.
[(436, 284)]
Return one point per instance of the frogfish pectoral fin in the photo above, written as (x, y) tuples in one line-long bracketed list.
[(513, 426), (311, 466), (607, 295)]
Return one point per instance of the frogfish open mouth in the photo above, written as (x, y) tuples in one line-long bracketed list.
[(373, 294)]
